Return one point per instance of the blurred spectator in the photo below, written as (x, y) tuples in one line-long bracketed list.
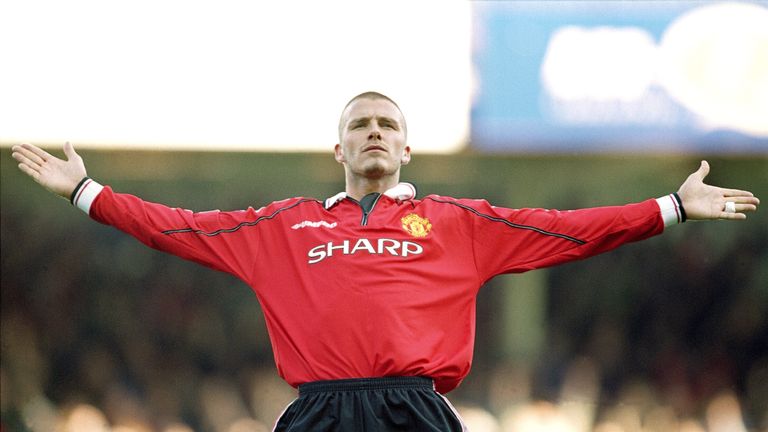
[(724, 414), (155, 344)]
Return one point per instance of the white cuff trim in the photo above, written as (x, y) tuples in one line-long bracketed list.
[(86, 194), (670, 210)]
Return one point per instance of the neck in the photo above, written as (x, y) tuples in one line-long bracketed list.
[(357, 187)]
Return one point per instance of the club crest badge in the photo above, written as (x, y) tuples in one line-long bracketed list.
[(416, 225)]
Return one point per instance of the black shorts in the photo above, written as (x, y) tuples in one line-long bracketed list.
[(370, 404)]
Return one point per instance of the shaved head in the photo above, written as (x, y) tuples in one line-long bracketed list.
[(369, 95)]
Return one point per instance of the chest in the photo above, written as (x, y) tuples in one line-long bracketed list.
[(388, 233)]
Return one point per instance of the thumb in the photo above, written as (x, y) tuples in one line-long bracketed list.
[(69, 150), (703, 170)]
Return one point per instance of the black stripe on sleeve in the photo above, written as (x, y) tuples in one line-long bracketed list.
[(511, 224), (683, 216), (77, 189), (238, 226)]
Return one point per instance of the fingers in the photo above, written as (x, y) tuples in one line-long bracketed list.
[(740, 206), (736, 193), (29, 171), (744, 200), (37, 151), (29, 162), (26, 162), (24, 154), (732, 216), (743, 208)]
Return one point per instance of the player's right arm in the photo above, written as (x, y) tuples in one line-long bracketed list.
[(190, 235)]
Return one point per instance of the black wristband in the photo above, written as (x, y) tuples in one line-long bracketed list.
[(683, 217), (77, 188)]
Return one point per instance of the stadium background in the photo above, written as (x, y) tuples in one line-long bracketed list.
[(100, 334)]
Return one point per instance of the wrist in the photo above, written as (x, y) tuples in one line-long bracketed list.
[(683, 215), (671, 208), (78, 186), (85, 193)]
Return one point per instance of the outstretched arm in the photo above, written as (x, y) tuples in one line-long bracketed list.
[(705, 202), (58, 176), (187, 234)]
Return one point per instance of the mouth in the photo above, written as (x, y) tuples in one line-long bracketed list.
[(374, 148)]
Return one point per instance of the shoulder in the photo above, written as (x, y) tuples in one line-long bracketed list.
[(290, 204), (456, 208), (441, 201)]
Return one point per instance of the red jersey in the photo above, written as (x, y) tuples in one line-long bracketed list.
[(388, 292)]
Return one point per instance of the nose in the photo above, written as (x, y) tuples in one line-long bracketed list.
[(374, 134)]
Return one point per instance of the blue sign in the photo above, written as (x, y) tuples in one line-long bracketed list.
[(620, 76)]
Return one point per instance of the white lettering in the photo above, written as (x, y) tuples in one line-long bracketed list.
[(317, 224), (383, 246), (344, 247), (318, 253), (392, 249), (412, 248), (363, 244)]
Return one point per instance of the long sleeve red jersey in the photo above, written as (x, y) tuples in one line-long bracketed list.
[(349, 293)]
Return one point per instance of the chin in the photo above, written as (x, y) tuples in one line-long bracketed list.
[(376, 170)]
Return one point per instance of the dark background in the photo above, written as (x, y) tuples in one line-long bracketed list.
[(90, 317)]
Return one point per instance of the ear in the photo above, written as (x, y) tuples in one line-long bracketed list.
[(406, 156), (338, 154)]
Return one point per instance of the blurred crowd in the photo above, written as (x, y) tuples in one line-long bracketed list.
[(100, 334)]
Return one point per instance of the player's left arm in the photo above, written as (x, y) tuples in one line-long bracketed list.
[(705, 202), (517, 240)]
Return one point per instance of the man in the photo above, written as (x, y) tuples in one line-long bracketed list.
[(369, 295)]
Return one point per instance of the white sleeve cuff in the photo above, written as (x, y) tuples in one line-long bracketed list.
[(671, 210), (85, 193)]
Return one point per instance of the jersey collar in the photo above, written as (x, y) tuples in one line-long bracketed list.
[(401, 192)]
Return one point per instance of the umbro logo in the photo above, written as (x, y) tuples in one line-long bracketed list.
[(311, 224)]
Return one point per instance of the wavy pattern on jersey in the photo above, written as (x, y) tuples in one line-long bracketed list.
[(508, 223), (240, 225)]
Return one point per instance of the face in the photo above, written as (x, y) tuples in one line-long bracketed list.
[(372, 139)]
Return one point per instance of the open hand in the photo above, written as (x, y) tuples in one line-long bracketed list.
[(59, 176), (703, 202)]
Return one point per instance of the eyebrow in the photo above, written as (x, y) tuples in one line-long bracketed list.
[(381, 119)]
